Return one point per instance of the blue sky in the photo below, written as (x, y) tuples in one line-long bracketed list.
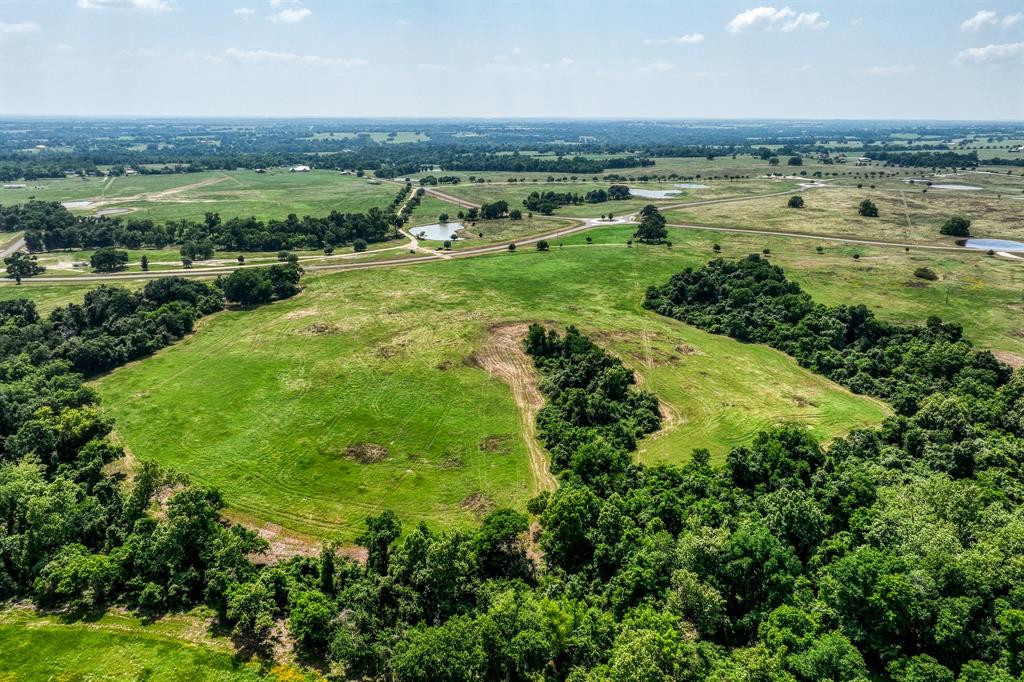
[(822, 59)]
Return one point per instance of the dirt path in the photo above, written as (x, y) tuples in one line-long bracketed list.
[(503, 357)]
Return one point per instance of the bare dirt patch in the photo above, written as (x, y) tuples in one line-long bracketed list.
[(366, 453), (503, 357), (299, 314), (495, 444), (687, 349), (478, 503), (1009, 357), (320, 329)]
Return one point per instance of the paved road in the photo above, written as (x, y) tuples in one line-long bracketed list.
[(17, 245)]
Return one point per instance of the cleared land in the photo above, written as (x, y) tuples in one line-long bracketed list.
[(906, 216), (119, 646), (274, 194), (364, 392)]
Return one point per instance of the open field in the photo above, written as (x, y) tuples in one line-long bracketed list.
[(908, 215), (230, 193), (119, 646), (61, 263), (361, 368)]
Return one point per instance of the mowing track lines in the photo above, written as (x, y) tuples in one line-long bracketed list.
[(502, 356)]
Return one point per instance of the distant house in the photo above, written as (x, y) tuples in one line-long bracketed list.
[(40, 146), (1017, 150), (15, 185), (863, 161), (587, 139), (130, 171), (299, 169), (373, 182), (261, 170), (347, 172)]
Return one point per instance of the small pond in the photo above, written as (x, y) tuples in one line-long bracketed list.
[(82, 203), (691, 185), (994, 244), (437, 231), (933, 185), (654, 193)]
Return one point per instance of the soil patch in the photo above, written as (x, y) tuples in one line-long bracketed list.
[(366, 453), (1009, 357), (503, 357), (478, 503), (321, 328), (494, 444)]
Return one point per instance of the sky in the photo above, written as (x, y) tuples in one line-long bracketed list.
[(303, 58)]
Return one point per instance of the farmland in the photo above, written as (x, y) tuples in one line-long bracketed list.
[(190, 196), (389, 363)]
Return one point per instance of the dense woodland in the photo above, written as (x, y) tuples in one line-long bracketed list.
[(893, 553)]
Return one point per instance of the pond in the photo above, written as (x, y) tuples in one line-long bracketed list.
[(436, 231), (654, 193), (994, 244), (82, 203), (691, 185), (919, 181)]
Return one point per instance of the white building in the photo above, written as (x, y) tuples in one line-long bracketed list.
[(299, 169)]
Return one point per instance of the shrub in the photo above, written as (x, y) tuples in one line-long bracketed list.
[(925, 273), (956, 226), (796, 201), (868, 209)]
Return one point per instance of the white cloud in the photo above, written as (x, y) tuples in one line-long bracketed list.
[(235, 54), (432, 67), (18, 27), (769, 17), (989, 53), (688, 39), (896, 70), (811, 20), (291, 15), (982, 18), (244, 12), (402, 23), (655, 67), (62, 47), (153, 5), (758, 16), (141, 53), (1012, 20)]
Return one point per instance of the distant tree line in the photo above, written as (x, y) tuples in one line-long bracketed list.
[(926, 159), (49, 226), (546, 202)]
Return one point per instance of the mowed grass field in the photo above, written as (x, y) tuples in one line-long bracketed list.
[(122, 647), (268, 404), (190, 196), (905, 215)]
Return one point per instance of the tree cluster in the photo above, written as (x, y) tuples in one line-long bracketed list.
[(593, 416), (49, 226), (751, 300)]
